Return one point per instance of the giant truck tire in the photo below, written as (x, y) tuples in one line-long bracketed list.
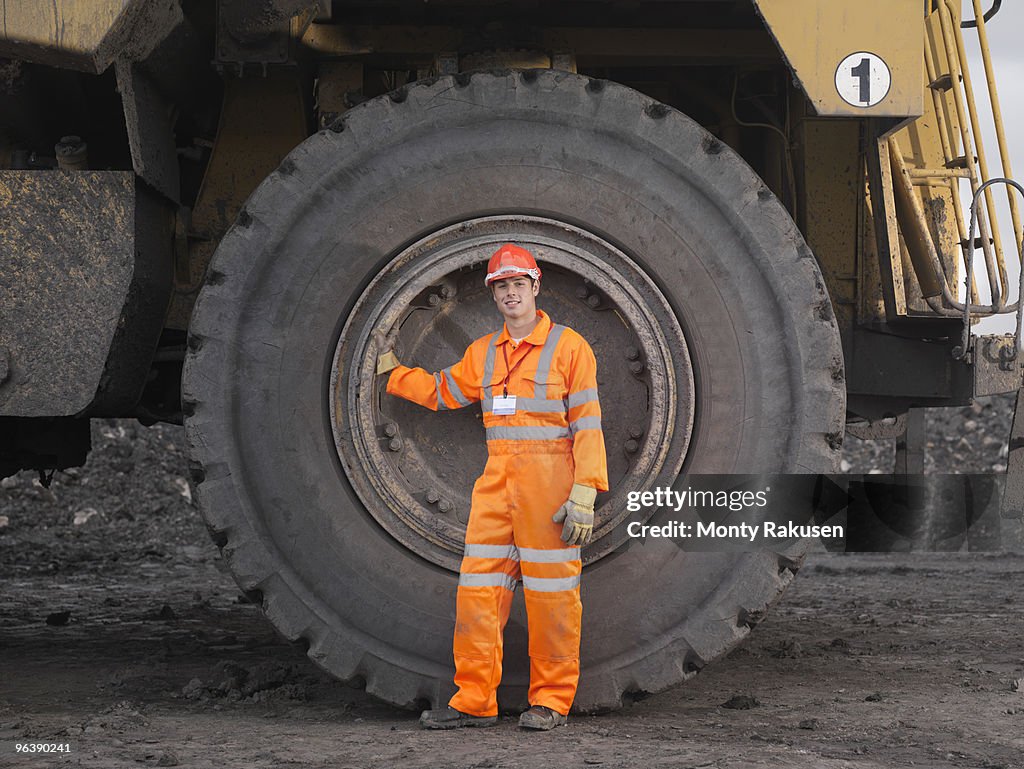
[(343, 508)]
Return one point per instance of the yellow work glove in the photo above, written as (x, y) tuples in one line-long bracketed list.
[(578, 514), (386, 358)]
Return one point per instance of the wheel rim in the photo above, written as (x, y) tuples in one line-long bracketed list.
[(413, 469)]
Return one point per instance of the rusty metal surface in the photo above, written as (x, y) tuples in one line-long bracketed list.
[(921, 245), (145, 305), (910, 445), (884, 257), (1013, 493), (150, 133), (67, 240), (591, 47), (339, 86), (262, 119), (831, 179), (86, 35), (997, 367), (402, 462), (919, 371), (260, 31), (879, 429)]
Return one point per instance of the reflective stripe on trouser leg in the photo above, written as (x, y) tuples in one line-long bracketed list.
[(540, 484), (484, 598)]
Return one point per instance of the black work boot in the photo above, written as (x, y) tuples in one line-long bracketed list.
[(542, 718), (450, 718)]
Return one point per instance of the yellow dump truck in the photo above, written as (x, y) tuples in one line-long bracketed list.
[(751, 208)]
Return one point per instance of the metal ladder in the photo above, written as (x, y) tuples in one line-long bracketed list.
[(959, 129)]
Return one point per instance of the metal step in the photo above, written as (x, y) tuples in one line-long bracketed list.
[(942, 83)]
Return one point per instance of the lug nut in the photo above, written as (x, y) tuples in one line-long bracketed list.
[(636, 367), (390, 429), (447, 292), (581, 292), (433, 300), (432, 496), (636, 432), (395, 444), (593, 301), (444, 506), (632, 353), (632, 447)]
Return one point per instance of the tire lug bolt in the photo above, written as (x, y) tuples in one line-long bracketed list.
[(593, 301), (636, 432), (391, 429), (447, 292), (632, 447), (582, 292), (395, 444), (632, 353), (444, 506), (434, 300), (432, 496), (636, 367)]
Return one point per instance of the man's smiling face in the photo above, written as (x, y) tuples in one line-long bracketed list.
[(515, 297)]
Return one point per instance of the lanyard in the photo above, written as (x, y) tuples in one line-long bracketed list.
[(508, 371)]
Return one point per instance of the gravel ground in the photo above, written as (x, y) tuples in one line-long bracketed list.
[(124, 636), (971, 439)]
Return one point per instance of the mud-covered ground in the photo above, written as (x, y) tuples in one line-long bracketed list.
[(123, 636)]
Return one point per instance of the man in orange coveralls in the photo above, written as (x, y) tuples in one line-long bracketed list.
[(537, 382)]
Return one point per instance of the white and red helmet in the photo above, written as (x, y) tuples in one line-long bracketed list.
[(511, 261)]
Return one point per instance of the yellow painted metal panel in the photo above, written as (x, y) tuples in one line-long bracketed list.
[(831, 185), (827, 42), (75, 26), (83, 34)]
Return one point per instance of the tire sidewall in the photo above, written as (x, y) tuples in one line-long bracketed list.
[(343, 203)]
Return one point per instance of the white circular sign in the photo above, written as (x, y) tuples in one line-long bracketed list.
[(863, 79)]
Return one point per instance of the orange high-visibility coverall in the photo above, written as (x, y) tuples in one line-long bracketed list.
[(553, 440)]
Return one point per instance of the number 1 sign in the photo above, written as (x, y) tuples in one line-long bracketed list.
[(863, 79)]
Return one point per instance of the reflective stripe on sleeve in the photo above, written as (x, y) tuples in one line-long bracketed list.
[(527, 433), (564, 555), (461, 399), (441, 405), (492, 551), (585, 423), (494, 579), (551, 584), (583, 396)]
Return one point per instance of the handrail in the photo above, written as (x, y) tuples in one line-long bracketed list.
[(971, 137), (964, 122), (1018, 305), (959, 128), (997, 118), (996, 5)]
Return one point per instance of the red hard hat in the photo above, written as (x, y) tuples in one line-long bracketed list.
[(511, 261)]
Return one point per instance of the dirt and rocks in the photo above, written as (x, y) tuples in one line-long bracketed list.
[(124, 637)]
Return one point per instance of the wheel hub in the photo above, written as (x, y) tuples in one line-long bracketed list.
[(413, 468)]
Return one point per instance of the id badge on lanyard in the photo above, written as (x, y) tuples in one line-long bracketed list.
[(504, 405)]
